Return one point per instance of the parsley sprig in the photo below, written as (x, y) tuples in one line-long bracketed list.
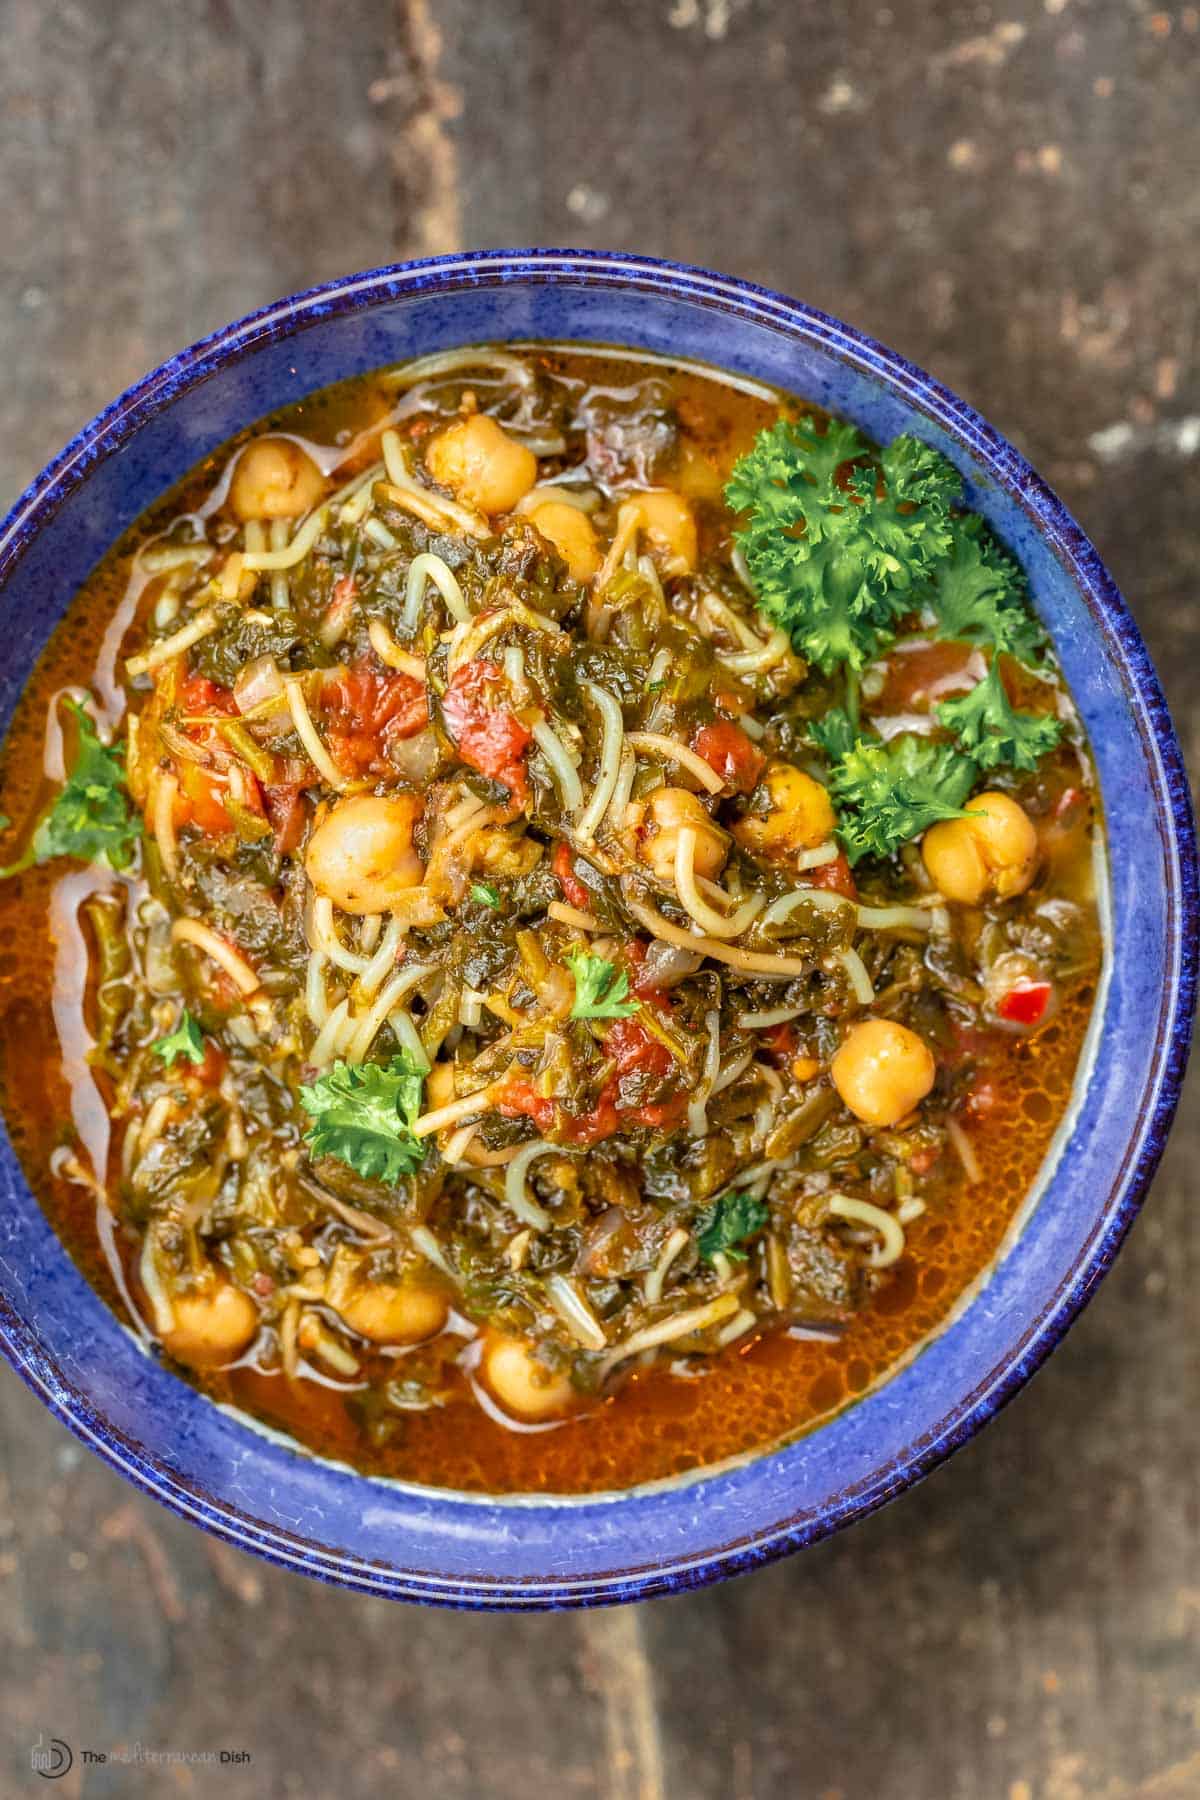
[(186, 1040), (364, 1116), (600, 988), (837, 548), (991, 730), (727, 1224), (888, 793), (92, 817), (979, 595)]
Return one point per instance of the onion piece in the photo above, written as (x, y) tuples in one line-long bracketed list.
[(575, 1312), (256, 683), (665, 965), (682, 1324)]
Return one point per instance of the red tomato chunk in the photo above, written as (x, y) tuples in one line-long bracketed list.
[(574, 892), (366, 710), (486, 732), (729, 752), (636, 1054)]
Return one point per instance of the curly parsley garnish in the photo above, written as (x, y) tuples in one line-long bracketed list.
[(991, 730), (92, 818), (727, 1223), (843, 543), (600, 988), (364, 1116), (187, 1039), (979, 595), (888, 793), (836, 547)]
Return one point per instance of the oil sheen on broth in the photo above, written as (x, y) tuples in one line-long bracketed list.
[(506, 793)]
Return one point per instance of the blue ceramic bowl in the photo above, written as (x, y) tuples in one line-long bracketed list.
[(415, 1543)]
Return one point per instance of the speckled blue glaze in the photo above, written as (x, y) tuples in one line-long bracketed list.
[(414, 1543)]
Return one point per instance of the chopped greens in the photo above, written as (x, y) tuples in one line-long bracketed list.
[(838, 552), (600, 988), (727, 1223), (187, 1039), (834, 734), (888, 793), (364, 1116), (92, 818), (484, 894), (993, 732)]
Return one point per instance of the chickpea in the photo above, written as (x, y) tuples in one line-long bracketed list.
[(698, 476), (481, 464), (522, 1384), (275, 479), (212, 1326), (391, 1312), (996, 852), (668, 811), (571, 533), (498, 851), (882, 1070), (669, 529), (361, 855), (799, 816)]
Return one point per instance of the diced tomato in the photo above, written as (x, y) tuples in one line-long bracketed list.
[(203, 801), (837, 876), (340, 602), (215, 1063), (574, 891), (521, 1099), (636, 1053), (731, 754), (921, 1161), (486, 732), (780, 1041), (365, 709), (197, 694), (285, 809), (1026, 1003), (918, 676), (634, 1050)]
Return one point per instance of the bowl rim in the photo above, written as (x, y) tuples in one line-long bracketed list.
[(111, 428)]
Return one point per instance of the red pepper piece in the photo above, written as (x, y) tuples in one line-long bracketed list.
[(1026, 1003)]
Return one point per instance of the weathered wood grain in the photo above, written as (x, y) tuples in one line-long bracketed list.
[(1009, 194)]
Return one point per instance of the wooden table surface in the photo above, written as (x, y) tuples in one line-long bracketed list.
[(1008, 194)]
